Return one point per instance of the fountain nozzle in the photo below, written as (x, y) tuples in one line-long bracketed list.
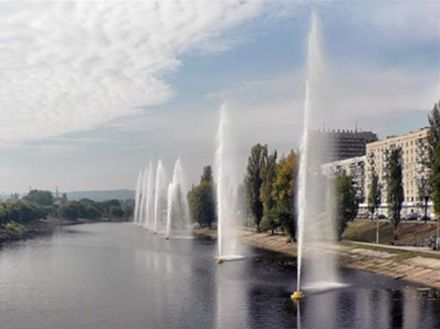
[(297, 295)]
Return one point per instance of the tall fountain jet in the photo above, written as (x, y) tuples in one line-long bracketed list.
[(226, 194), (178, 219), (158, 190), (316, 215), (148, 196), (137, 197), (143, 197)]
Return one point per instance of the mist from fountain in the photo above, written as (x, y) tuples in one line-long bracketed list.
[(316, 227), (159, 188), (178, 220), (137, 197), (148, 211), (226, 191)]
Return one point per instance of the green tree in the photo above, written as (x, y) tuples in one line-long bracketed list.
[(128, 208), (116, 212), (434, 158), (374, 194), (434, 131), (43, 198), (207, 175), (435, 181), (346, 202), (201, 200), (88, 209), (69, 211), (254, 181), (284, 193), (268, 176), (424, 193), (22, 211), (394, 187), (105, 206), (3, 213)]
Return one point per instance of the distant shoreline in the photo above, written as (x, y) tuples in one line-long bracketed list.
[(37, 228)]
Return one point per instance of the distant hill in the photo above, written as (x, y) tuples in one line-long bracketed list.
[(101, 195)]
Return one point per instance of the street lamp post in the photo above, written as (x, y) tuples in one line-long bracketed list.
[(377, 227)]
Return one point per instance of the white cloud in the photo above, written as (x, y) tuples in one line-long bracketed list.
[(71, 66)]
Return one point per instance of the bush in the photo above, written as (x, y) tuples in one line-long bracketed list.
[(15, 227), (69, 211)]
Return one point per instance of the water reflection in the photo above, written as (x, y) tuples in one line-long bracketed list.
[(231, 295), (113, 276)]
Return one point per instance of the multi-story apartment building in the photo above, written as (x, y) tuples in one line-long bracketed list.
[(414, 151), (355, 167)]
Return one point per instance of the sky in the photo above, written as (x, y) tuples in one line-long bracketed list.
[(92, 91)]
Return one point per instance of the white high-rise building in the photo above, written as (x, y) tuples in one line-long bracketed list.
[(415, 172)]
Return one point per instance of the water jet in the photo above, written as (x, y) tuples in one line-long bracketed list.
[(226, 192), (137, 197), (315, 195), (143, 196), (149, 191), (158, 189), (178, 219)]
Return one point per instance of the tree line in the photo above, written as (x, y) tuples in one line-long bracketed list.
[(40, 204), (269, 192)]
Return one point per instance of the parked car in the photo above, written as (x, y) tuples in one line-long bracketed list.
[(362, 216), (410, 216)]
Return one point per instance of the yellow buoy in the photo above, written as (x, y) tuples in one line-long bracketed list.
[(297, 295)]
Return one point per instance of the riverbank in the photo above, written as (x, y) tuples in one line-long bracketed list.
[(409, 233), (417, 265), (13, 231)]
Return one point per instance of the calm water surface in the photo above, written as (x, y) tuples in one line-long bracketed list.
[(116, 276)]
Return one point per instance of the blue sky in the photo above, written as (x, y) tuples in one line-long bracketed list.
[(91, 92)]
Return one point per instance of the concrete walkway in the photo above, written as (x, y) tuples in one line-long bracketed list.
[(424, 250)]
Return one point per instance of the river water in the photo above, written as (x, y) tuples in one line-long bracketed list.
[(117, 276)]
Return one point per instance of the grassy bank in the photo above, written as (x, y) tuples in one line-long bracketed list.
[(409, 233), (13, 231)]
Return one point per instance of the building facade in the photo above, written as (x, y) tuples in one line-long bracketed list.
[(342, 144), (355, 167), (415, 172)]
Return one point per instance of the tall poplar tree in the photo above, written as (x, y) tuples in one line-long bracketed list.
[(374, 194), (434, 131), (254, 181), (266, 193), (201, 200), (434, 156), (394, 187)]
